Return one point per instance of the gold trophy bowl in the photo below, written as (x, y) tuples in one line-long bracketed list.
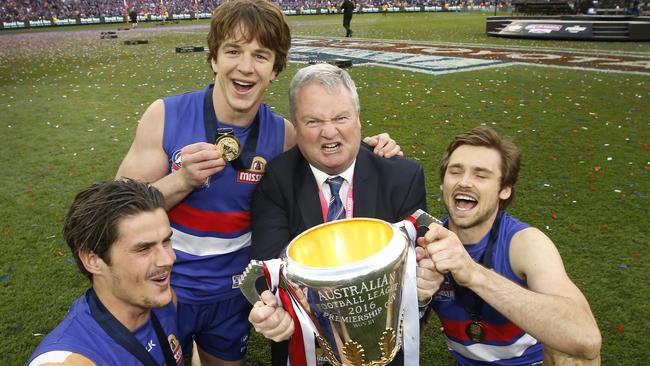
[(347, 276)]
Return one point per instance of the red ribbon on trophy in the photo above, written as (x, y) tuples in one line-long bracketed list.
[(302, 350)]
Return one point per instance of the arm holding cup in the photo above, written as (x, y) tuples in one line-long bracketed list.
[(271, 321), (428, 278), (558, 305), (275, 323)]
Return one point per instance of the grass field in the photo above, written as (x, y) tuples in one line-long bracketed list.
[(70, 102)]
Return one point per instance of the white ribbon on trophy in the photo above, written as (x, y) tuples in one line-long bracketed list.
[(411, 336), (274, 269)]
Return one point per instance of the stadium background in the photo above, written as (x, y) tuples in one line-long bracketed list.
[(70, 102), (37, 13)]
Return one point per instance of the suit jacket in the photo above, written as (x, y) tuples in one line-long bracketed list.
[(348, 9), (286, 201)]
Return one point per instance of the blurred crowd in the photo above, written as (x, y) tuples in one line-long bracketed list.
[(25, 10)]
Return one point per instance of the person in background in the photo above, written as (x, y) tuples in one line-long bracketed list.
[(133, 16), (348, 9)]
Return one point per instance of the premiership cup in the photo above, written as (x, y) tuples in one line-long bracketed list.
[(347, 277)]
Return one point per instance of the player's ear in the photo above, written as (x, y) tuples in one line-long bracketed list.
[(213, 63), (91, 261), (505, 193)]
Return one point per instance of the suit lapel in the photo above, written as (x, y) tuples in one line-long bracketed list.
[(365, 186), (308, 199)]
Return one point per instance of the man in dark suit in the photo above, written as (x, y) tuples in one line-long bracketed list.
[(348, 10), (300, 187)]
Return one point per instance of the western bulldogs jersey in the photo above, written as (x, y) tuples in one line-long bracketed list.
[(212, 224), (80, 333), (504, 343)]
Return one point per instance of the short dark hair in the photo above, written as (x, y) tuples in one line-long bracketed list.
[(262, 19), (487, 137), (91, 223)]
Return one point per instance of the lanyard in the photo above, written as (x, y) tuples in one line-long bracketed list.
[(211, 125), (472, 303), (124, 337), (349, 203)]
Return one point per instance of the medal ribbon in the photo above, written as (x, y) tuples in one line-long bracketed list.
[(120, 334), (211, 125), (472, 303)]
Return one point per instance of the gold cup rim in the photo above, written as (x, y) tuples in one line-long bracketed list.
[(388, 250)]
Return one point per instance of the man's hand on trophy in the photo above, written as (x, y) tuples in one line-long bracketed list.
[(448, 254), (271, 321), (428, 278)]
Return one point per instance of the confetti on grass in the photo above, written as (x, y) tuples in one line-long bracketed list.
[(6, 277)]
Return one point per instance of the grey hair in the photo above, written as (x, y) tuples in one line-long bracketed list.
[(328, 76)]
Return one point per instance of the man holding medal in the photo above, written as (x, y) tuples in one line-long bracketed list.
[(206, 150), (506, 298), (120, 237)]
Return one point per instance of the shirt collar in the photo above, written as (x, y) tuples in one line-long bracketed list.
[(321, 176)]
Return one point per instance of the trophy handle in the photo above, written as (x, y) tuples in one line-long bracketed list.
[(423, 219), (253, 271), (420, 220)]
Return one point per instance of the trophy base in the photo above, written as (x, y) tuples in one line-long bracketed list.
[(355, 355)]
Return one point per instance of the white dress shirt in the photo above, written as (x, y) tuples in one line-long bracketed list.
[(321, 178)]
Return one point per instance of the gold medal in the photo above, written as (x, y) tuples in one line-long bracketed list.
[(475, 331), (229, 145)]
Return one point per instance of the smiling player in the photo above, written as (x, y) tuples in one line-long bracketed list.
[(506, 299), (119, 235)]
